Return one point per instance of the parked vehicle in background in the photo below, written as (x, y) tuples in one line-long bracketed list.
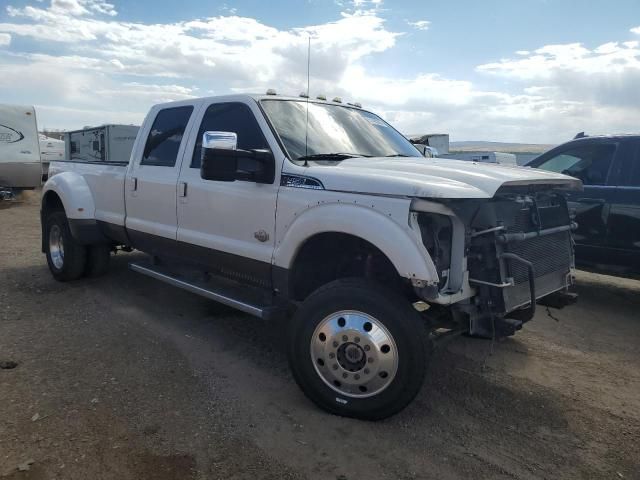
[(20, 164), (51, 149), (608, 210), (368, 245), (437, 141), (483, 157), (426, 150), (107, 143)]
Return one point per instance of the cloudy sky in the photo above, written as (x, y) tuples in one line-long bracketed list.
[(533, 71)]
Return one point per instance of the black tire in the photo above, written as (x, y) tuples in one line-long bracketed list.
[(72, 263), (388, 308), (98, 258)]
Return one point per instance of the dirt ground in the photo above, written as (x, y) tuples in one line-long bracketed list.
[(123, 377)]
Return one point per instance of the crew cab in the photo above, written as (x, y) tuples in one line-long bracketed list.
[(322, 213), (607, 211)]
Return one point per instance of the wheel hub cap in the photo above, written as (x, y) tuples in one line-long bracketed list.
[(354, 354), (56, 247)]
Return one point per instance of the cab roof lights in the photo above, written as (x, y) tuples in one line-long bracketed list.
[(320, 96)]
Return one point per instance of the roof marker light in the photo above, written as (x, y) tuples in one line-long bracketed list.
[(357, 105), (337, 99), (322, 97), (304, 95), (271, 91)]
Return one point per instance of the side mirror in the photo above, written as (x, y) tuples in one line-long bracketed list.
[(219, 160), (222, 161)]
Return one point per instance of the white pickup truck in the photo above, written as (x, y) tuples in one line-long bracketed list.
[(321, 212)]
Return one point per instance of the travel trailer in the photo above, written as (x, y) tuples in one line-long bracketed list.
[(51, 149), (20, 163), (107, 143)]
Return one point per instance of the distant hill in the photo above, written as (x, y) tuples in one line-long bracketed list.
[(479, 146)]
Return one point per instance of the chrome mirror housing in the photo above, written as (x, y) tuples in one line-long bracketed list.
[(220, 140)]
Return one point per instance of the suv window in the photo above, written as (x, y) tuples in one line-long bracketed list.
[(165, 136), (230, 117), (589, 163), (632, 172)]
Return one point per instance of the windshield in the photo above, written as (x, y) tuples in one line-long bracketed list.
[(334, 130)]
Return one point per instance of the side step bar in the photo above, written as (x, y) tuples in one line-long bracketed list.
[(222, 293)]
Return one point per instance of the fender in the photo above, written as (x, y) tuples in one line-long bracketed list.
[(401, 245), (79, 207)]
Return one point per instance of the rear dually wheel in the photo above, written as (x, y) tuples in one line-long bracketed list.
[(66, 257)]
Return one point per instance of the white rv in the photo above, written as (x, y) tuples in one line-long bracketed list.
[(483, 157), (107, 143), (51, 149), (20, 164)]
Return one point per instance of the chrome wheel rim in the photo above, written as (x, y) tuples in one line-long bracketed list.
[(354, 354), (56, 247)]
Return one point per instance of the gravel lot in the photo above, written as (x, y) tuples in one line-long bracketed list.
[(123, 377)]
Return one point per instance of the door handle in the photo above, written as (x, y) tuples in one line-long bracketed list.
[(592, 201), (134, 184), (182, 189)]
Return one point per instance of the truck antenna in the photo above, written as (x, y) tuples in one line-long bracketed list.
[(306, 132)]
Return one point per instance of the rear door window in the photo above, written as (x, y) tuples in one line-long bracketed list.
[(631, 169), (165, 136), (589, 163)]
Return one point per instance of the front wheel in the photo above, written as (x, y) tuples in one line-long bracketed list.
[(357, 349), (66, 257)]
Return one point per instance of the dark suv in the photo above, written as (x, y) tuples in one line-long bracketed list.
[(608, 210)]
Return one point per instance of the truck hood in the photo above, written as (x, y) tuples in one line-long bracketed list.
[(430, 177)]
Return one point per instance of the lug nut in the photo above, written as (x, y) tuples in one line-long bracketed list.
[(345, 375), (367, 348), (332, 355), (370, 359), (356, 376), (335, 344), (366, 371), (335, 366), (344, 338), (357, 339)]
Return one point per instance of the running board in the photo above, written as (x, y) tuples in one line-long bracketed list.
[(224, 292)]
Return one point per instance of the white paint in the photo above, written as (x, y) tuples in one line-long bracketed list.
[(369, 198), (225, 215), (20, 164)]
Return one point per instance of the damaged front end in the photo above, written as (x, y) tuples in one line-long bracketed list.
[(513, 249)]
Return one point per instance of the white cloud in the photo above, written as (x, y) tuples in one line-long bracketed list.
[(420, 24), (547, 61), (82, 7), (99, 69), (635, 30)]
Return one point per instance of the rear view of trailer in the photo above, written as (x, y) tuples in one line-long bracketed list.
[(20, 164)]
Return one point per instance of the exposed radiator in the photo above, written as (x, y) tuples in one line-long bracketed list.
[(536, 230)]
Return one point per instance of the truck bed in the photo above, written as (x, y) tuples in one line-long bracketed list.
[(106, 181)]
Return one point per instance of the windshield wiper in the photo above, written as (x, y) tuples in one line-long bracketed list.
[(397, 155), (331, 156)]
